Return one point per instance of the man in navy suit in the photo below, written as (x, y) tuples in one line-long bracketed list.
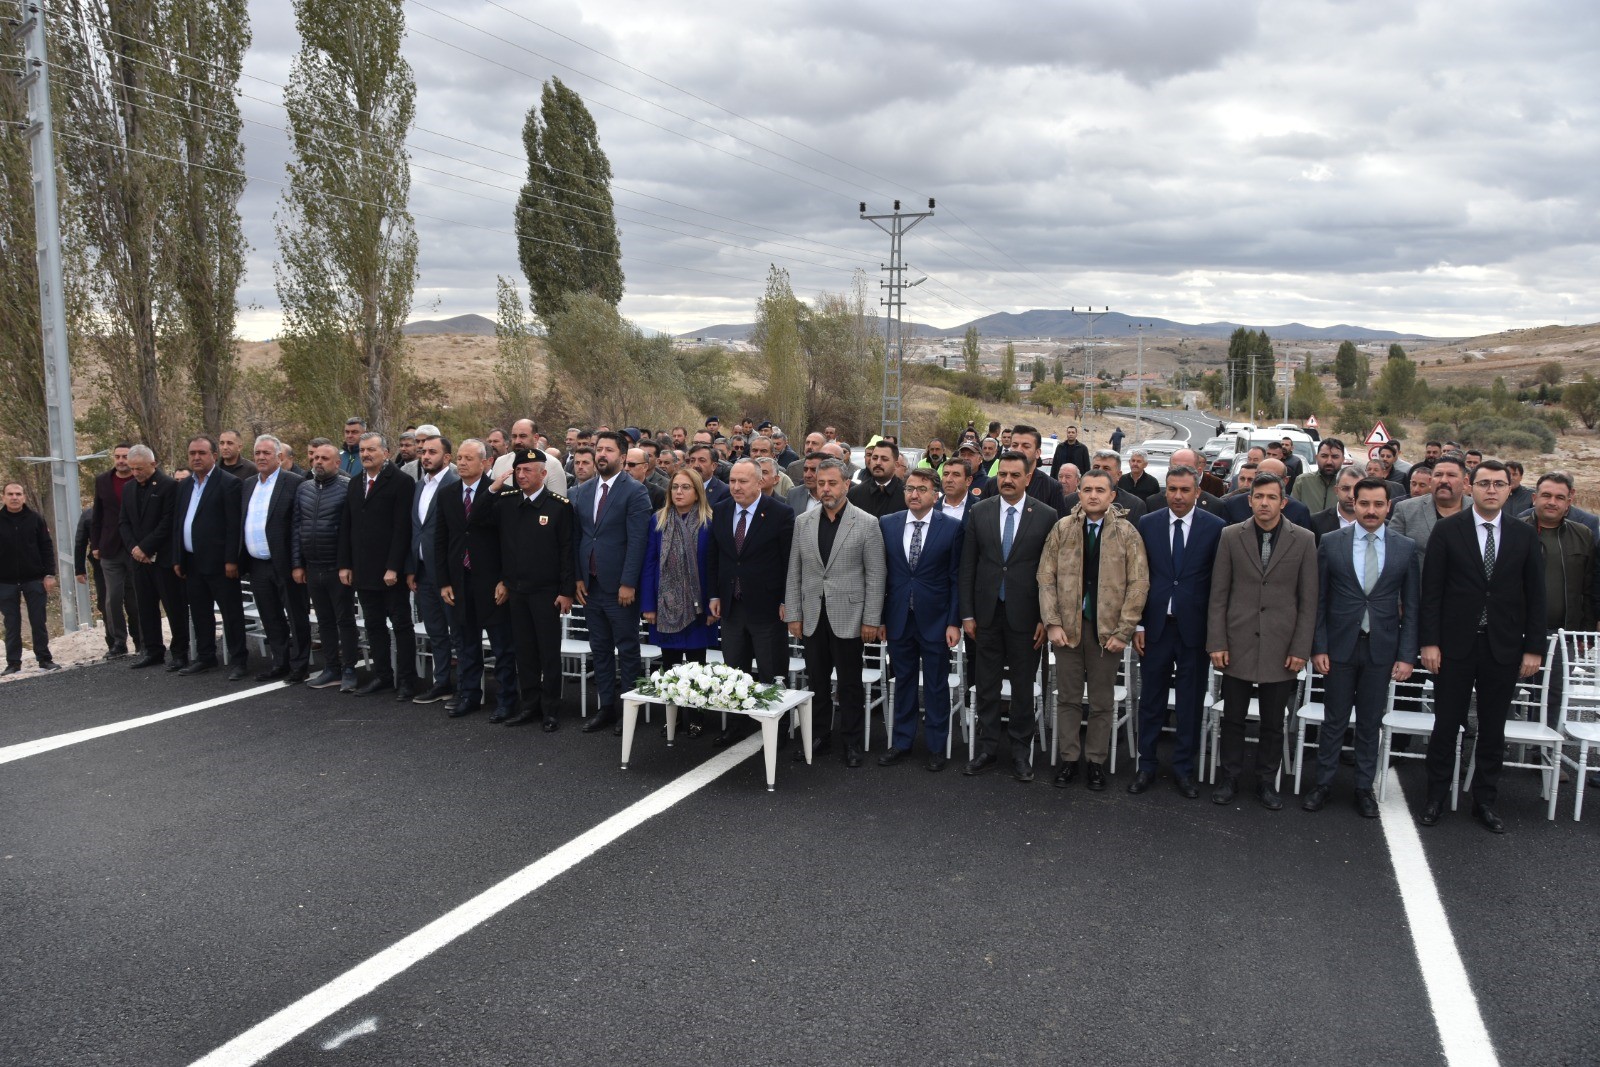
[(703, 458), (921, 614), (1180, 544), (1366, 634), (1236, 507), (207, 536), (425, 571), (269, 513), (1483, 627), (613, 516)]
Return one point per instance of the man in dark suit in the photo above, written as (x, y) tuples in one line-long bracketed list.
[(1366, 635), (1000, 554), (1180, 544), (612, 511), (1343, 512), (703, 458), (881, 492), (1236, 506), (119, 604), (207, 537), (1041, 486), (374, 540), (1483, 618), (469, 560), (147, 525), (269, 506), (423, 568), (1072, 451), (921, 614)]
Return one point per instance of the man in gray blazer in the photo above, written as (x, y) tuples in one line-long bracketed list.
[(1000, 609), (834, 601), (1262, 619), (1416, 517), (1366, 634)]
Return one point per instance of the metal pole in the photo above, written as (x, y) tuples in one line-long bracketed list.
[(1089, 315), (75, 609), (1138, 403), (895, 348)]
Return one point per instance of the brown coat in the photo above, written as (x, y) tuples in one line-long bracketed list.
[(1261, 619), (1124, 577)]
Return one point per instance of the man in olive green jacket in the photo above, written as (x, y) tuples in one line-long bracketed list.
[(1093, 580)]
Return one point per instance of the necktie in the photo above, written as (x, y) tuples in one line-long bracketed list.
[(1488, 571), (466, 557), (1094, 536), (369, 487), (1369, 578), (1090, 541), (738, 550), (1177, 548), (1266, 550), (599, 511), (916, 544), (1008, 534)]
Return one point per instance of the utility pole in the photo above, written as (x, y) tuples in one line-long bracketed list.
[(1089, 315), (63, 458), (1139, 382), (895, 348)]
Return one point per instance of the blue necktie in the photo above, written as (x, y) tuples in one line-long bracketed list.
[(1008, 533), (1177, 547)]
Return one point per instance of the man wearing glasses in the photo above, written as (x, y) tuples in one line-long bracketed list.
[(1482, 622)]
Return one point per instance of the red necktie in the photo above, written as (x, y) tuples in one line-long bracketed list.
[(369, 487), (466, 557)]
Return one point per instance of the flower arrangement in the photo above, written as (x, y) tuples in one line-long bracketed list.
[(709, 685)]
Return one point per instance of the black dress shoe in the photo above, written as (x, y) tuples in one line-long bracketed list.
[(145, 661), (980, 763), (724, 738), (11, 668), (298, 676), (326, 679), (405, 694), (466, 705), (435, 694), (1022, 769), (500, 716), (1225, 791), (852, 756), (1097, 778), (1269, 796), (616, 728), (176, 664), (936, 762), (551, 725), (820, 746), (893, 756), (1366, 804), (1491, 822), (1315, 798), (376, 685), (597, 722), (199, 666), (238, 673), (1142, 781), (269, 675), (1185, 786), (1431, 812), (1066, 775), (524, 718)]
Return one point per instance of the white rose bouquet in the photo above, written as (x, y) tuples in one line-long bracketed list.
[(713, 686)]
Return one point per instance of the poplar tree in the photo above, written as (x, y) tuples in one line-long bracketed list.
[(777, 335)]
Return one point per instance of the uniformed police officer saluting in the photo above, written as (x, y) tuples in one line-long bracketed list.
[(537, 578)]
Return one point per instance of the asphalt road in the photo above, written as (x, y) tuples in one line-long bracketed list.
[(164, 889)]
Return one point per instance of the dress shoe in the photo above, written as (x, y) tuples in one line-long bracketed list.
[(852, 756), (616, 728), (1142, 781), (348, 682), (11, 668), (466, 705), (176, 664), (1269, 796), (1022, 769), (199, 666), (325, 679), (502, 715), (893, 756), (435, 694), (524, 718), (1491, 822), (820, 746), (980, 763), (1097, 778), (724, 738), (936, 762), (116, 653), (1594, 779), (49, 665), (1315, 798), (1225, 790), (1066, 775), (376, 685), (551, 725), (237, 672), (1185, 786), (298, 676), (1431, 812), (270, 675), (146, 661), (597, 722), (1366, 804), (404, 694)]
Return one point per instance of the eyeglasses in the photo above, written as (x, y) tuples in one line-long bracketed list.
[(632, 463), (1492, 485)]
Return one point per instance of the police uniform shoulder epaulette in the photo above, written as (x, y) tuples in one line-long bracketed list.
[(561, 498), (509, 490)]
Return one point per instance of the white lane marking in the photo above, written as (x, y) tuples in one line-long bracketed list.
[(272, 1033), (1455, 1007), (76, 737), (369, 1025)]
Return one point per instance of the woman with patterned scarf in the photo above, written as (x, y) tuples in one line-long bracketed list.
[(673, 590)]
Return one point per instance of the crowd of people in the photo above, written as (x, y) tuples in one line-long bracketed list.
[(1361, 571)]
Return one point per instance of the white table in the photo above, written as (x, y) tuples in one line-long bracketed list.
[(770, 718)]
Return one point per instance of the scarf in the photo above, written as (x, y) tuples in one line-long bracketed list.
[(678, 595)]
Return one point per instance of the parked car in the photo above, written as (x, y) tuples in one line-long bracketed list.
[(1215, 447)]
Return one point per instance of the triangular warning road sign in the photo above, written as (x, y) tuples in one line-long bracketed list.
[(1378, 436)]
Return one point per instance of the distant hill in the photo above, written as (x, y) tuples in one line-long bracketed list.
[(1046, 323), (473, 325)]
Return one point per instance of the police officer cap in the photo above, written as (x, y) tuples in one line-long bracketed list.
[(526, 455)]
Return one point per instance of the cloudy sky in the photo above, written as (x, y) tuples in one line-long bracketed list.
[(1430, 166)]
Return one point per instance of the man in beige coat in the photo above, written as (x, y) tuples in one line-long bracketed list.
[(1262, 620), (1093, 580)]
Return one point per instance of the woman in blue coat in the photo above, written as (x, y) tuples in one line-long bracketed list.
[(673, 589)]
